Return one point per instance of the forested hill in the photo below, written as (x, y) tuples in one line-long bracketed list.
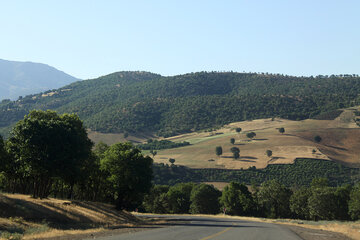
[(142, 101)]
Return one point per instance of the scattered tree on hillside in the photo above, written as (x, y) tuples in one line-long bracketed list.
[(232, 140), (269, 153), (129, 172), (236, 152), (126, 134), (281, 130), (218, 151), (234, 149), (238, 130), (317, 138), (172, 160), (251, 135), (153, 153)]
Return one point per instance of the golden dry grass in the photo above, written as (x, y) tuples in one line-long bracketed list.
[(341, 142), (54, 217)]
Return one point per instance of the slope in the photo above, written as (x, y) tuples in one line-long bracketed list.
[(340, 143), (23, 78), (142, 102)]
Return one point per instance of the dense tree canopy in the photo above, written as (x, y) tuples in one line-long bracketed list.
[(140, 101), (237, 200), (46, 146), (205, 199), (129, 172)]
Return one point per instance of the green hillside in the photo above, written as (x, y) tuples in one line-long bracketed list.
[(146, 102)]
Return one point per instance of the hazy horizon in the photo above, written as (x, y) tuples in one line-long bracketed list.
[(88, 39)]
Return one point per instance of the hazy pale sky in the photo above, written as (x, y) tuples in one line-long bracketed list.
[(88, 38)]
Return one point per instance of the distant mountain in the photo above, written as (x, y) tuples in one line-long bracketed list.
[(24, 78), (146, 102)]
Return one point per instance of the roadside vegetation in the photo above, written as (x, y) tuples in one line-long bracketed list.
[(270, 200), (50, 155)]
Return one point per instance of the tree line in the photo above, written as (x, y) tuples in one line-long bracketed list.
[(51, 155), (271, 200), (139, 101), (300, 173)]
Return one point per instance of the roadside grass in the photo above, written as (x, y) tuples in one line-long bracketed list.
[(22, 217)]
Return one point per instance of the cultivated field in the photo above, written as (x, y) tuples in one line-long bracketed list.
[(340, 142)]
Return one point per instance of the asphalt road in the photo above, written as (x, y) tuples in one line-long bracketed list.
[(203, 228)]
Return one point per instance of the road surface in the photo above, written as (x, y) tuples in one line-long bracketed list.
[(206, 228)]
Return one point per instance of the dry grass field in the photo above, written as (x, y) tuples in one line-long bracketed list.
[(340, 142), (24, 217)]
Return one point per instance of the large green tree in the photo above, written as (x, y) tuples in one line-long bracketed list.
[(156, 200), (299, 203), (179, 197), (205, 199), (274, 199), (129, 172), (237, 200), (48, 146)]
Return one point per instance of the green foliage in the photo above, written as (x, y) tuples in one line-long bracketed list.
[(218, 150), (322, 204), (299, 203), (204, 199), (320, 182), (354, 202), (238, 130), (179, 197), (235, 149), (46, 146), (129, 172), (236, 155), (301, 173), (281, 130), (156, 200), (162, 144), (268, 153), (139, 101), (329, 115), (237, 200), (251, 135), (232, 140), (274, 199), (317, 138), (172, 160)]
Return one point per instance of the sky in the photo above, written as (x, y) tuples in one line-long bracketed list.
[(88, 39)]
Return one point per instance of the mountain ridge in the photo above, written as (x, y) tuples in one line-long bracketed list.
[(140, 101), (18, 79)]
